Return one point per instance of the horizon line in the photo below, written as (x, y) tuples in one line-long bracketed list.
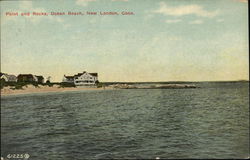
[(167, 81)]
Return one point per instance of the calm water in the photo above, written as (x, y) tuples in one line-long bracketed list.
[(209, 122)]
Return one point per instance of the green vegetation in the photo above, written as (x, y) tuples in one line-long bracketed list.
[(100, 85), (65, 84), (17, 85), (48, 83), (13, 85), (20, 85), (2, 83)]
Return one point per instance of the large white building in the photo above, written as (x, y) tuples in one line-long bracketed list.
[(82, 79)]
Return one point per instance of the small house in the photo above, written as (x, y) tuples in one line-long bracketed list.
[(27, 78), (68, 79), (8, 77), (40, 79)]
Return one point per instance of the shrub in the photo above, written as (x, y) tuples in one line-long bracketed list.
[(18, 86), (100, 85), (65, 84), (50, 84), (2, 83)]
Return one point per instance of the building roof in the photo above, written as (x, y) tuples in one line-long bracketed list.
[(94, 74), (68, 77), (9, 76), (40, 77), (25, 75), (79, 74), (2, 73)]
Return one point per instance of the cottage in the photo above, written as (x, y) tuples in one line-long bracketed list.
[(8, 78), (27, 78), (68, 79), (82, 79), (40, 79)]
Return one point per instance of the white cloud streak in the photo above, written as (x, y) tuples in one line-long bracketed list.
[(173, 20), (185, 10), (120, 0), (196, 22), (243, 1), (220, 20), (83, 3)]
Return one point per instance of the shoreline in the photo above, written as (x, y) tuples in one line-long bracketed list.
[(29, 89), (6, 91)]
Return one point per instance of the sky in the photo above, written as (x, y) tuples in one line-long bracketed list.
[(165, 40)]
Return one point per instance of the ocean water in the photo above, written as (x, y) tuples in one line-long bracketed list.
[(208, 122)]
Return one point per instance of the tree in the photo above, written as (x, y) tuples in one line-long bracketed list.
[(48, 79)]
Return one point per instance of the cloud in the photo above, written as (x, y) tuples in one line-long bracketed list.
[(173, 20), (83, 3), (243, 1), (219, 20), (185, 10), (26, 5), (121, 0), (196, 22)]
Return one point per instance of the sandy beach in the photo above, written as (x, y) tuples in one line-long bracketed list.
[(43, 89)]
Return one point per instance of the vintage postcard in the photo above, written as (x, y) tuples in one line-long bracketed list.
[(124, 79)]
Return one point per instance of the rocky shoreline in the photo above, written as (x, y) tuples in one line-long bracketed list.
[(166, 86)]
